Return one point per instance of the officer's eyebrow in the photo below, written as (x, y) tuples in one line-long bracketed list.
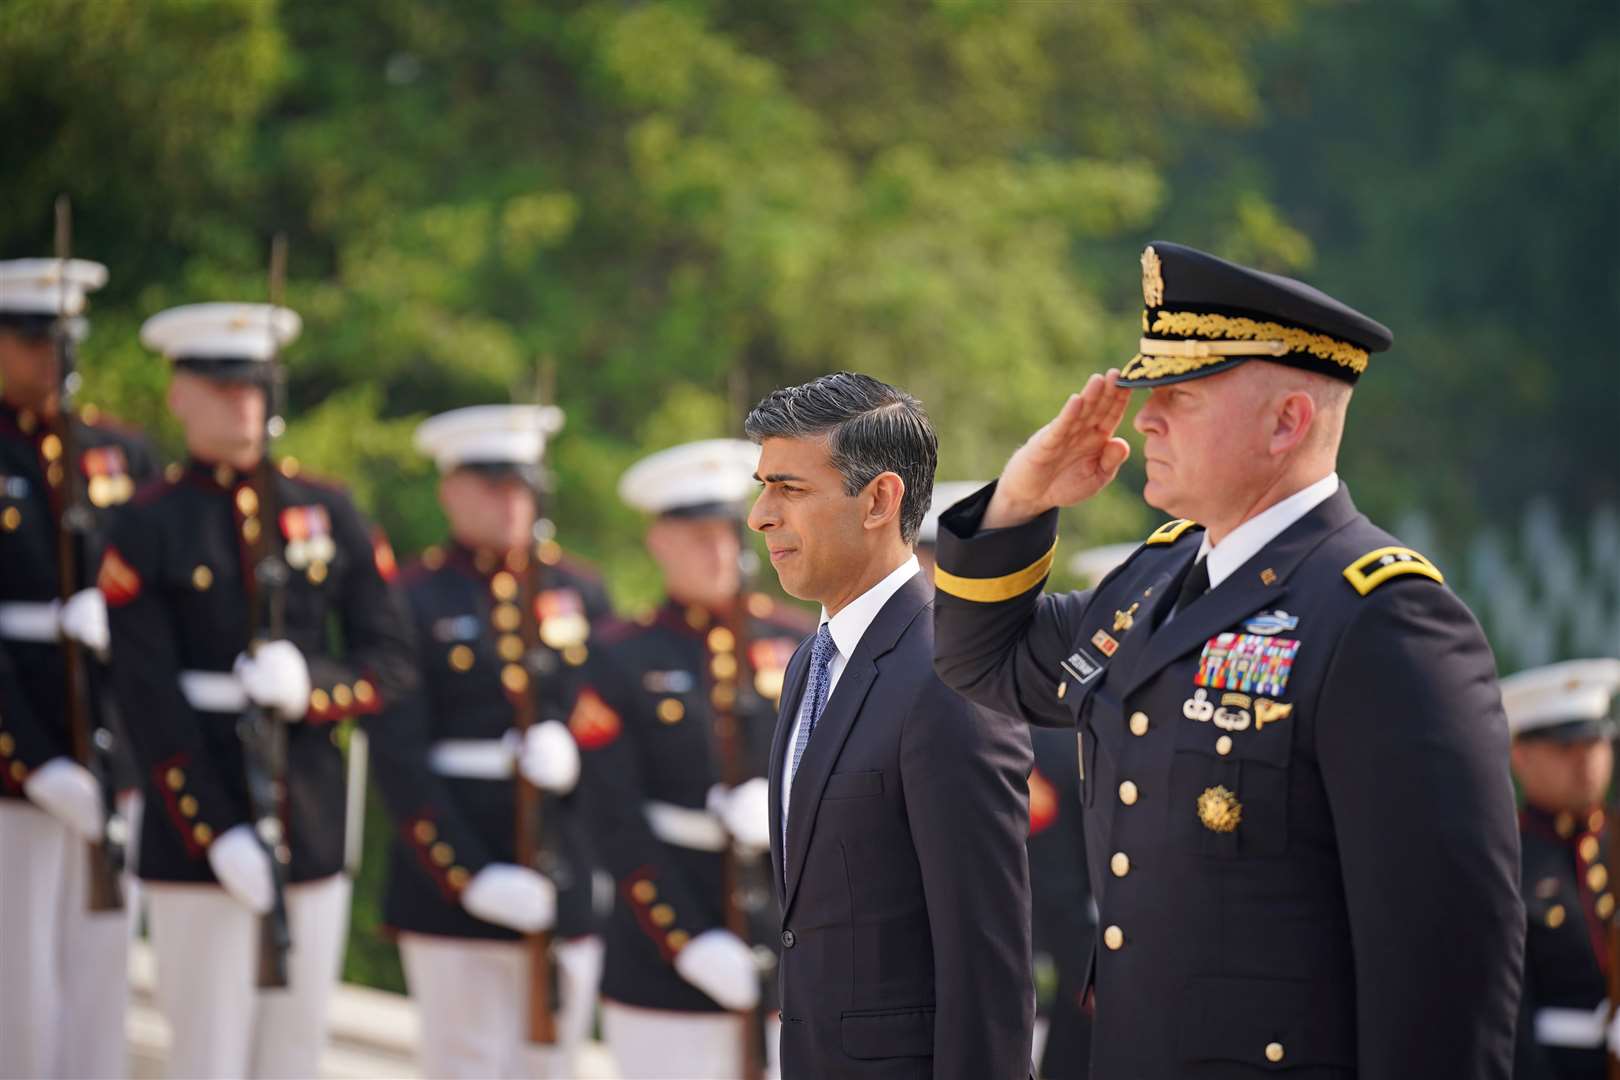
[(777, 478)]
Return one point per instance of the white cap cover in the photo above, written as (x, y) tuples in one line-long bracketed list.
[(221, 331), (692, 474), (488, 435), (48, 286), (1574, 690)]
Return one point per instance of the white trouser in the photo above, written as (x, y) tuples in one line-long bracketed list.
[(661, 1044), (221, 1024), (63, 971), (1042, 1027), (471, 998)]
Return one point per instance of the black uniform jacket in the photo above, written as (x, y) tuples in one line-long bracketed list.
[(115, 462), (647, 729), (905, 887), (449, 825), (1305, 771), (175, 575), (1570, 902)]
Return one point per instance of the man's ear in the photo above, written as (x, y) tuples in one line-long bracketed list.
[(1292, 420), (887, 491)]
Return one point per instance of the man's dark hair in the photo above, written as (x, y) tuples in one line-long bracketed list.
[(871, 428)]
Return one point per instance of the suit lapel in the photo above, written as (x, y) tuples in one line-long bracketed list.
[(843, 707), (1248, 589), (798, 674)]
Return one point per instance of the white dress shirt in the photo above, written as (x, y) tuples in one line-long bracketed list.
[(847, 628), (1244, 542)]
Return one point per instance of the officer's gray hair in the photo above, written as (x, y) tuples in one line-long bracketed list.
[(870, 427)]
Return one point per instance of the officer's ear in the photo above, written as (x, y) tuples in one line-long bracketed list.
[(1291, 419)]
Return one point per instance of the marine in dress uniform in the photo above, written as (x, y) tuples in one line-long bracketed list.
[(1299, 824), (61, 965), (181, 561), (1562, 724), (656, 775), (448, 756)]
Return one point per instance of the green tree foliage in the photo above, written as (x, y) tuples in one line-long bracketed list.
[(1457, 165), (674, 205)]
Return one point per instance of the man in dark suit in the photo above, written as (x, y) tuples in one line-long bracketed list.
[(1293, 755), (898, 811)]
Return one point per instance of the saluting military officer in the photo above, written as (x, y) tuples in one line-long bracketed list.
[(1563, 756), (185, 569), (670, 791), (496, 685), (1298, 816), (61, 963)]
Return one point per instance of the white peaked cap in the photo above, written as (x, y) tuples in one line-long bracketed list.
[(488, 435), (947, 493), (690, 475), (221, 331), (1574, 690), (48, 286), (1096, 563)]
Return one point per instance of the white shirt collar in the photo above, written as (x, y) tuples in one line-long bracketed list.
[(1245, 541), (849, 625)]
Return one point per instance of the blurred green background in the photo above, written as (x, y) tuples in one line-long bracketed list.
[(677, 206)]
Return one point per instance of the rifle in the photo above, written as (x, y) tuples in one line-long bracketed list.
[(91, 742), (264, 736), (1611, 830), (743, 892), (542, 1025)]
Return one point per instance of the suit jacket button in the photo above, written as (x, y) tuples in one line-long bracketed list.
[(788, 940), (1274, 1052)]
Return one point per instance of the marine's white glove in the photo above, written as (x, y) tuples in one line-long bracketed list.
[(719, 964), (84, 619), (243, 867), (549, 759), (745, 811), (276, 677), (65, 789), (511, 896)]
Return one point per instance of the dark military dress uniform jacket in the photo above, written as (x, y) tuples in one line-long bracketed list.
[(176, 579), (1570, 900), (446, 753), (646, 727), (1299, 822), (114, 462)]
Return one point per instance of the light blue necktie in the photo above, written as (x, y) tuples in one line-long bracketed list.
[(821, 654)]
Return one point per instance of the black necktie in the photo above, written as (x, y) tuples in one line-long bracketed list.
[(1194, 585)]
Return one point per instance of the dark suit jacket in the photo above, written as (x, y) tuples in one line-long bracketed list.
[(906, 926)]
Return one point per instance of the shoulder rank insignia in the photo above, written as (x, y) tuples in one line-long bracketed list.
[(1377, 567), (1170, 531)]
